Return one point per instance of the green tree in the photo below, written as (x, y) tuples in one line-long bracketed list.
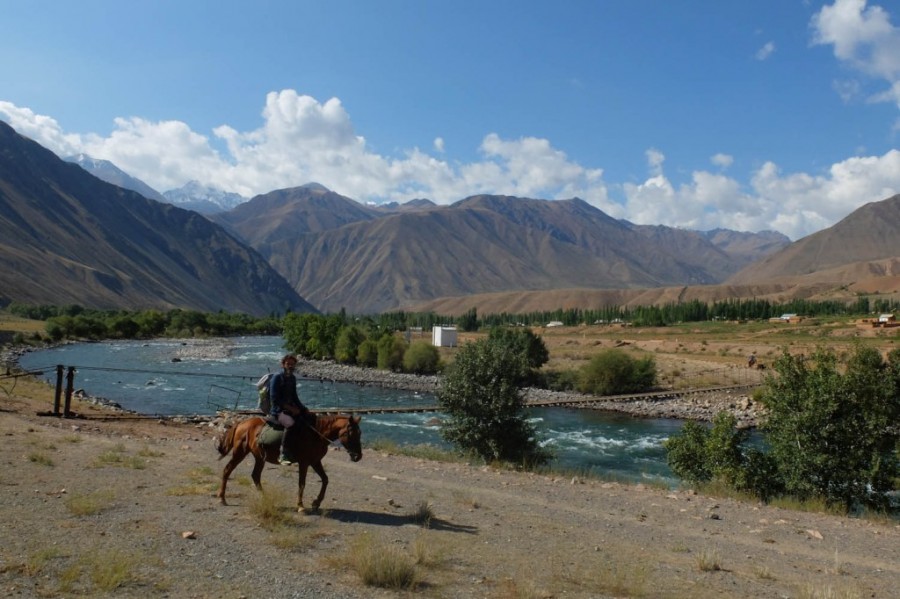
[(485, 407), (613, 372), (527, 344), (699, 454), (390, 352), (367, 355), (346, 348), (468, 321), (124, 327), (421, 357), (832, 431)]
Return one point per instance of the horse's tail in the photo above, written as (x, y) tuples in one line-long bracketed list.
[(225, 441)]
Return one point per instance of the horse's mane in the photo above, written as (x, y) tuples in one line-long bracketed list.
[(326, 420)]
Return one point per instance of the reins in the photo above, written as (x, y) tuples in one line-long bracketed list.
[(335, 443)]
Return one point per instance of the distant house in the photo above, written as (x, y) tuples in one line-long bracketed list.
[(555, 323), (443, 336), (883, 318), (787, 317)]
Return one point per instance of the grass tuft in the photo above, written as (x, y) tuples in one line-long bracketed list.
[(381, 565), (268, 508), (90, 504), (40, 458), (423, 514), (708, 561)]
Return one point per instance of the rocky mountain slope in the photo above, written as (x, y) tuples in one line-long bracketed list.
[(862, 246), (68, 237), (341, 254)]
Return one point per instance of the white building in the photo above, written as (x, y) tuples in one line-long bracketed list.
[(443, 336)]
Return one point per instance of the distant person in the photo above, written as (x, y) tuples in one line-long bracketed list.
[(287, 409), (751, 361)]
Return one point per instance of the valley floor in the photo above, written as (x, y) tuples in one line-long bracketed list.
[(113, 505)]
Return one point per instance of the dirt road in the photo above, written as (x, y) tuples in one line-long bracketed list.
[(125, 508)]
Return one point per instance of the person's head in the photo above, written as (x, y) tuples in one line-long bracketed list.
[(289, 362)]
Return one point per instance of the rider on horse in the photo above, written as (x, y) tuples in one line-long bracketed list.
[(287, 409)]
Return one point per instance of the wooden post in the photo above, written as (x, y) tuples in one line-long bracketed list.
[(70, 387), (59, 380)]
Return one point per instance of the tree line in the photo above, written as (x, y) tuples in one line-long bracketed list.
[(77, 322)]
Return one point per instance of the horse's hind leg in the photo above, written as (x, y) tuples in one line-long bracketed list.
[(256, 475), (320, 470), (237, 456)]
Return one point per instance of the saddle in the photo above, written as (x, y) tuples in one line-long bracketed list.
[(270, 435)]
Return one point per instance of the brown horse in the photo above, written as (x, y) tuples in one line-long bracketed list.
[(310, 446)]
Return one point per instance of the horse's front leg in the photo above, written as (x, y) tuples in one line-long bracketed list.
[(301, 484), (320, 470)]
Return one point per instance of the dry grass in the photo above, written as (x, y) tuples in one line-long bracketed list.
[(379, 564), (811, 591), (40, 458), (89, 504), (269, 508), (101, 571), (423, 514), (708, 560)]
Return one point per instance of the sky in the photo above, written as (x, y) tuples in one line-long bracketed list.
[(766, 115)]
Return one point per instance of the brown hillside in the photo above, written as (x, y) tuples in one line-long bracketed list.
[(68, 237), (482, 244), (865, 244)]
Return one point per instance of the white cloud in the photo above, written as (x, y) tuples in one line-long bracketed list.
[(723, 161), (439, 144), (766, 51), (302, 140), (796, 204), (864, 38), (655, 160)]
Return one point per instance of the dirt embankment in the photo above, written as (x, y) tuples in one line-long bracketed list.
[(113, 505)]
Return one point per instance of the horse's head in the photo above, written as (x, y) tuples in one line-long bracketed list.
[(350, 437)]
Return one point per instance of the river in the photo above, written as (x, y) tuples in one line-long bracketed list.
[(168, 377)]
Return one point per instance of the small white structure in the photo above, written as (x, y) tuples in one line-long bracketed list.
[(555, 323), (886, 318), (443, 336)]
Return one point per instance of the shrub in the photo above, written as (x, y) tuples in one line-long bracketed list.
[(390, 352), (421, 358), (367, 355), (484, 406), (525, 343), (833, 433), (560, 380), (613, 372)]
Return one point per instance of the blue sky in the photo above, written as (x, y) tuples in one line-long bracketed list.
[(772, 114)]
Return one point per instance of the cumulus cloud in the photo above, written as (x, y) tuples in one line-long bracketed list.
[(723, 161), (864, 38), (766, 51), (796, 204), (301, 139)]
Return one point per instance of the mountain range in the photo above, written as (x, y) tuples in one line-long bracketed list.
[(500, 253), (68, 237), (341, 254)]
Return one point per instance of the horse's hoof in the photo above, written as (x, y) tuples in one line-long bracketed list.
[(301, 510)]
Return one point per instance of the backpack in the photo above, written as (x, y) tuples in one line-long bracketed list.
[(263, 403)]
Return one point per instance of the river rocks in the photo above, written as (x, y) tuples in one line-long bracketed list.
[(691, 407)]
